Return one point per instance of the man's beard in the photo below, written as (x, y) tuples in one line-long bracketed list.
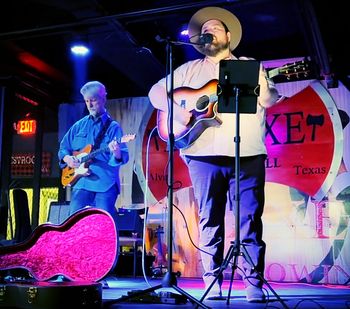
[(214, 49)]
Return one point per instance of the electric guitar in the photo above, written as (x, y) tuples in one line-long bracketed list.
[(83, 248), (202, 103), (71, 175)]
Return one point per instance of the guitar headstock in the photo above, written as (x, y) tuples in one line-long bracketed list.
[(299, 69), (127, 138)]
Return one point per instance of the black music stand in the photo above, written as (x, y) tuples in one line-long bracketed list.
[(238, 90), (169, 279)]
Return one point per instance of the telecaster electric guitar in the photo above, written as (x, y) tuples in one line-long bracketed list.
[(71, 175), (202, 103)]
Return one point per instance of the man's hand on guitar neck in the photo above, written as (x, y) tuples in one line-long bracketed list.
[(71, 161), (115, 149)]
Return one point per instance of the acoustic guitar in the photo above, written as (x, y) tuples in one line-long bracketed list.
[(71, 175), (202, 103), (83, 248)]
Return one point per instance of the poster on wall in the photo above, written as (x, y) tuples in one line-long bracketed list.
[(304, 222)]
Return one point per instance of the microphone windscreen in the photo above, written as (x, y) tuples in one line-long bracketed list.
[(205, 38)]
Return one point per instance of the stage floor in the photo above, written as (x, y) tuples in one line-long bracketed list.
[(289, 295)]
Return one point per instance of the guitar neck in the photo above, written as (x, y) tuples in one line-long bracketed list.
[(96, 152), (273, 73), (93, 154), (296, 69)]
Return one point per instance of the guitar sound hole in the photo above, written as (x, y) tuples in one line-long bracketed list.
[(202, 103)]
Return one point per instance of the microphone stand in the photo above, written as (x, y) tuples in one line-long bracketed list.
[(169, 279)]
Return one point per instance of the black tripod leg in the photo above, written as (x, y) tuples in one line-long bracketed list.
[(250, 261), (223, 266), (191, 298), (234, 266)]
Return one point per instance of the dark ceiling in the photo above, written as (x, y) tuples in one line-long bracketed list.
[(35, 37)]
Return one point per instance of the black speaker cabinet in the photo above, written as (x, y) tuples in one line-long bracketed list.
[(129, 222), (58, 212)]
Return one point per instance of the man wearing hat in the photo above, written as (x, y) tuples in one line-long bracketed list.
[(210, 157)]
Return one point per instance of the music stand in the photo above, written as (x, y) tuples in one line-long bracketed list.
[(237, 93)]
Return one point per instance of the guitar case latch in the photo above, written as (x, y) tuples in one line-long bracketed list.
[(32, 294)]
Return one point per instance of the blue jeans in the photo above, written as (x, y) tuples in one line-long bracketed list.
[(213, 180), (102, 200)]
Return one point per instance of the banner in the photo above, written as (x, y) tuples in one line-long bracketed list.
[(307, 207)]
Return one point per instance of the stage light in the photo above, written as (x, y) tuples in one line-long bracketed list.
[(184, 32), (80, 50)]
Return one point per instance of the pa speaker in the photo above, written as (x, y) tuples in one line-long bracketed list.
[(58, 212)]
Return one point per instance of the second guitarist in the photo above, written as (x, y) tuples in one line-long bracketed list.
[(99, 186)]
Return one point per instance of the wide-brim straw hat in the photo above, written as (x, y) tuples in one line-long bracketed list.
[(203, 15)]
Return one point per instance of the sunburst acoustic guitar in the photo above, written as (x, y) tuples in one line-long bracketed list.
[(202, 103)]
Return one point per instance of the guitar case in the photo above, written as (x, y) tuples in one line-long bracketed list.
[(51, 295), (83, 249)]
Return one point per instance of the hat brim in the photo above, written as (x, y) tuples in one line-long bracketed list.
[(208, 13)]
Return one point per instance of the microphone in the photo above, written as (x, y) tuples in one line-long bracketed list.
[(205, 38)]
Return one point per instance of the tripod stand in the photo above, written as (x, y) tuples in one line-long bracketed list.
[(238, 96), (169, 279)]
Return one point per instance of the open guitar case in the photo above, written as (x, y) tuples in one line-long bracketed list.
[(82, 250)]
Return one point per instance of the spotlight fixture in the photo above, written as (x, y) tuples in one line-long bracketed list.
[(80, 50), (184, 32)]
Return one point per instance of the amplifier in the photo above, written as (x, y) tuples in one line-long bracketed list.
[(129, 222)]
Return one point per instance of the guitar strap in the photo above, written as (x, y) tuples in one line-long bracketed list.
[(100, 135)]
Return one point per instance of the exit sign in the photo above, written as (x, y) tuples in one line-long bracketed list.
[(25, 127)]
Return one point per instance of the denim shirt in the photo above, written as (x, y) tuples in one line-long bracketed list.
[(104, 167)]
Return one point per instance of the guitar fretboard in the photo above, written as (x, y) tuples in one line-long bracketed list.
[(93, 154)]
